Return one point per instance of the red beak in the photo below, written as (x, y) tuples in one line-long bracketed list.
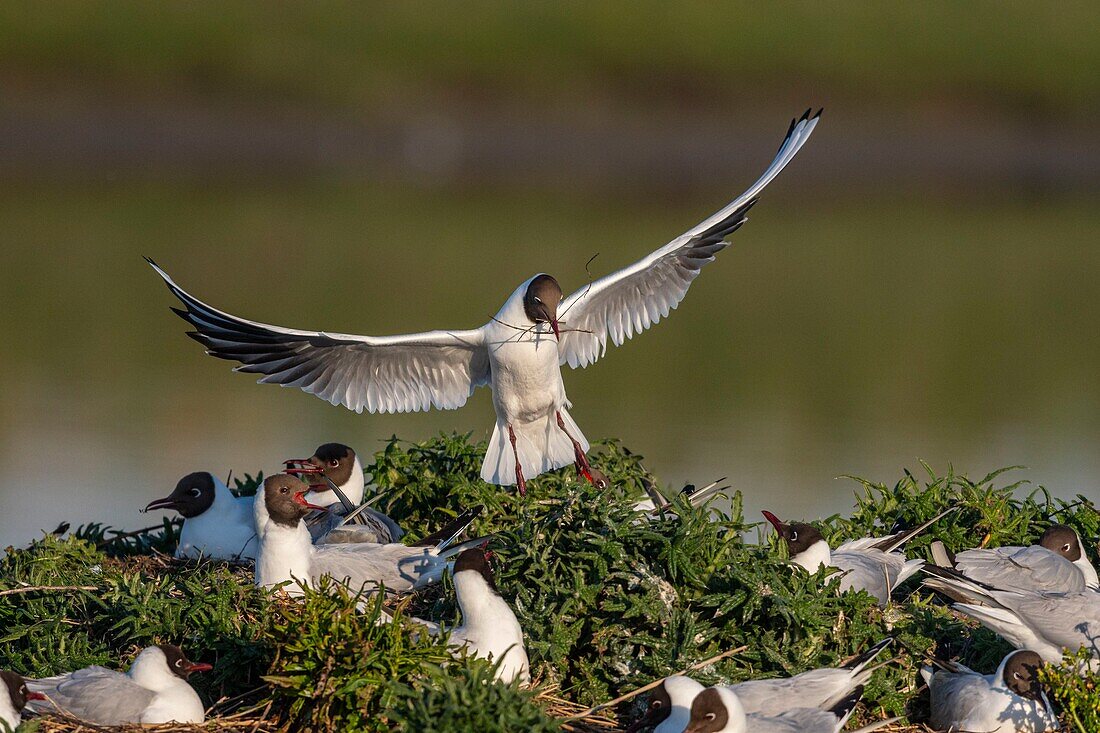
[(554, 325), (199, 667), (301, 499), (165, 503), (774, 520), (35, 696)]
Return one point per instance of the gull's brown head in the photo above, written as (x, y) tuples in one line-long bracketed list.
[(1063, 540), (284, 499), (1021, 674), (541, 300)]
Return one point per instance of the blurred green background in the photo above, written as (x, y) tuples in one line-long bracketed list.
[(919, 283)]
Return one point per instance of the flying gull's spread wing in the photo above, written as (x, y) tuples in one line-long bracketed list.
[(629, 301), (373, 373)]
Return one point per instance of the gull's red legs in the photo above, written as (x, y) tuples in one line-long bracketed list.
[(584, 468), (520, 482)]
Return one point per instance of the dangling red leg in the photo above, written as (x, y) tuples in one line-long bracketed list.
[(520, 482), (584, 468)]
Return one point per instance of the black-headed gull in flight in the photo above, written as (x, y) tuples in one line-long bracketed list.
[(216, 523), (1057, 564), (336, 481), (519, 353), (14, 699), (670, 703), (1010, 700), (287, 554), (1047, 623), (873, 564), (154, 690)]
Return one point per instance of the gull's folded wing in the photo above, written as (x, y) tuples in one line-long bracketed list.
[(374, 373), (94, 693), (629, 301)]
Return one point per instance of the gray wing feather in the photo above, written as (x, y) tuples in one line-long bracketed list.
[(799, 720), (397, 566), (95, 694), (1023, 568), (871, 570), (374, 373), (814, 689), (632, 299)]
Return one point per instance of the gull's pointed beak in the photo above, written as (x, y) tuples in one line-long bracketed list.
[(165, 503), (301, 499), (554, 325), (199, 667), (775, 521), (35, 696)]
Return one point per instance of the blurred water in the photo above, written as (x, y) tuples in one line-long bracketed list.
[(852, 335)]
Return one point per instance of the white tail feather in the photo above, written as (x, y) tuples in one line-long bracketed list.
[(541, 444)]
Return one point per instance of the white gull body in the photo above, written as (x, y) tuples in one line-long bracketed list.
[(489, 628), (224, 531), (518, 357), (795, 720), (964, 700), (148, 693)]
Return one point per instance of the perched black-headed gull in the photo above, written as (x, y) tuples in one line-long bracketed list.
[(287, 554), (154, 690), (216, 523), (1047, 623), (519, 353), (670, 703), (718, 710), (14, 699), (1057, 564), (872, 564), (656, 505), (1010, 700), (339, 486), (489, 627)]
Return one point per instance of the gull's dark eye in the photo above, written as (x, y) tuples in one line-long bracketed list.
[(196, 492), (655, 704), (794, 535), (1017, 675), (334, 463), (710, 716), (179, 662), (1065, 547), (538, 299), (283, 490)]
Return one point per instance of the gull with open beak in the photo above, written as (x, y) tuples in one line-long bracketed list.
[(216, 523), (873, 564), (336, 481), (287, 556), (519, 353), (154, 690), (15, 698), (1011, 700)]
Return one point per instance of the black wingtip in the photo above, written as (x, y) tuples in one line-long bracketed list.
[(847, 704), (818, 113), (149, 260), (806, 115)]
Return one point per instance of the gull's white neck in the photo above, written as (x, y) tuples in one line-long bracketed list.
[(7, 710), (150, 670), (814, 557), (511, 320), (1087, 570), (482, 608), (353, 488), (285, 553), (737, 721)]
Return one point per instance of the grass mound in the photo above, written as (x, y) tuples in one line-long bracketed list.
[(609, 602)]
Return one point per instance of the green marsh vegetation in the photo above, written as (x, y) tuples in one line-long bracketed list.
[(609, 602)]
